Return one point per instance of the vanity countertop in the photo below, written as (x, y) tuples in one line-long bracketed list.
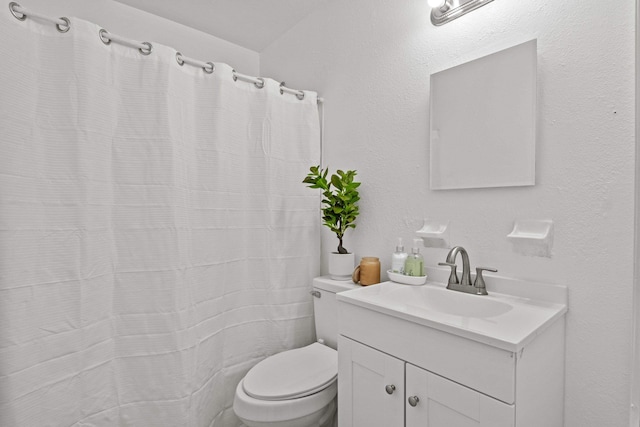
[(505, 321)]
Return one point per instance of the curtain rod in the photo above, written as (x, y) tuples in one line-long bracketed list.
[(63, 24)]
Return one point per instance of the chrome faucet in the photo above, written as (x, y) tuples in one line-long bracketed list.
[(478, 287), (466, 269)]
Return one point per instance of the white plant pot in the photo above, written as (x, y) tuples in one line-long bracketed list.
[(341, 265)]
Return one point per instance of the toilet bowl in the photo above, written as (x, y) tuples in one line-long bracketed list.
[(295, 388)]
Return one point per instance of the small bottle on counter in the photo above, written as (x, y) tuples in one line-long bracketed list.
[(414, 265), (398, 258)]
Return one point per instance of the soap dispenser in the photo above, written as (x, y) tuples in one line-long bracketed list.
[(414, 265), (398, 258)]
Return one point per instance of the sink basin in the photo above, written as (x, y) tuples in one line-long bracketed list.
[(506, 321), (449, 302)]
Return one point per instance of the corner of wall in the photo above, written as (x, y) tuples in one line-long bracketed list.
[(634, 406)]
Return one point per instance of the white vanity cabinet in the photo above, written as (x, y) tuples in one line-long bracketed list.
[(372, 393), (443, 403), (379, 390), (403, 366)]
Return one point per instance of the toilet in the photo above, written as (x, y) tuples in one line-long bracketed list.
[(297, 388)]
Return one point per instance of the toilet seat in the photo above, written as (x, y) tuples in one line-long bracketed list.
[(307, 375), (292, 374), (282, 411)]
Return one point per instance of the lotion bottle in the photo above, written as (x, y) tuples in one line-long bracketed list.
[(414, 265), (398, 258)]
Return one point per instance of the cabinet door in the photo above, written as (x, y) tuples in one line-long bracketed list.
[(370, 387), (444, 403)]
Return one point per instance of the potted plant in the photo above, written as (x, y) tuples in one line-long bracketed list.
[(339, 213)]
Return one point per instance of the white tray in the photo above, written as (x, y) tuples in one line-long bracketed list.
[(406, 280)]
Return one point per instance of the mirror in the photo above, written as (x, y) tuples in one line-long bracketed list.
[(483, 121)]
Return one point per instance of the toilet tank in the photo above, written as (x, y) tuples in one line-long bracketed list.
[(325, 307)]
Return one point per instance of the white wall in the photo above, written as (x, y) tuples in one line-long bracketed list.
[(634, 418), (371, 60), (133, 23)]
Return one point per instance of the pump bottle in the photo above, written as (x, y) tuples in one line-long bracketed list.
[(398, 258), (414, 265)]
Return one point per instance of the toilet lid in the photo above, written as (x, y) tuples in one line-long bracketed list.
[(293, 373)]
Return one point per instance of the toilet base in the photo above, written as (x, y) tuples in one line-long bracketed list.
[(324, 417)]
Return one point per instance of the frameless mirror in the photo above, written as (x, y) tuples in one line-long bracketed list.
[(483, 121)]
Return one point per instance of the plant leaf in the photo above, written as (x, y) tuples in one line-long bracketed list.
[(335, 180)]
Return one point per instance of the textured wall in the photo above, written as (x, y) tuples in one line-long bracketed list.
[(133, 23), (371, 60)]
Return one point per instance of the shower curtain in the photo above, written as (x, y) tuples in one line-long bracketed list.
[(156, 240)]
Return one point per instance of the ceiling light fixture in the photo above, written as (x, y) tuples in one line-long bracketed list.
[(443, 11)]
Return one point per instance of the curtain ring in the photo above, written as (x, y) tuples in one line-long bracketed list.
[(66, 27), (19, 16), (103, 36), (211, 67), (281, 86), (147, 50), (260, 83), (179, 59), (300, 95), (235, 78)]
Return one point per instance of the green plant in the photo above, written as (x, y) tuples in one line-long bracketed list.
[(340, 202)]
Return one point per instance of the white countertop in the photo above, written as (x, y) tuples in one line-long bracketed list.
[(505, 321)]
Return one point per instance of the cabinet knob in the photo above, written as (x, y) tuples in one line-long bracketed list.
[(413, 400), (390, 389)]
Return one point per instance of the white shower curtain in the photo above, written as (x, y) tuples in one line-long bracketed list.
[(156, 240)]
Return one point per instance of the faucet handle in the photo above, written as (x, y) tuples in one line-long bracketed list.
[(448, 264), (481, 287), (453, 277)]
